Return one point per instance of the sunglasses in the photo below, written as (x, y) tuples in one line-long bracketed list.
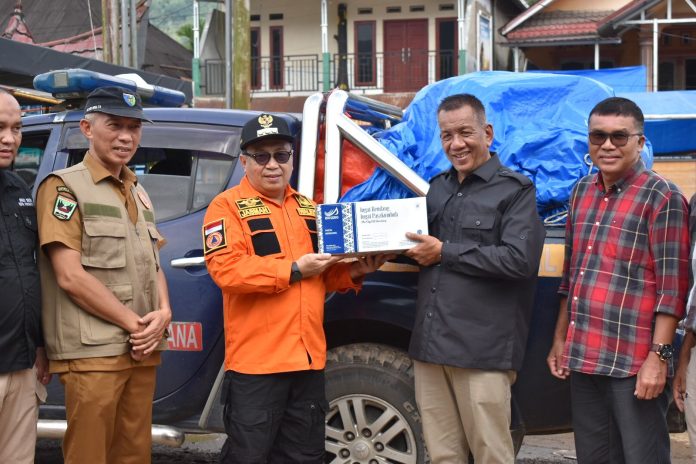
[(262, 158), (618, 139)]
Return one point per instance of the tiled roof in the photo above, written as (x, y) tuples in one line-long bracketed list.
[(17, 28), (65, 26), (561, 24), (52, 19), (82, 45), (548, 26)]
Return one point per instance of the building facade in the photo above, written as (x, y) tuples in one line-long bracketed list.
[(372, 47), (586, 34)]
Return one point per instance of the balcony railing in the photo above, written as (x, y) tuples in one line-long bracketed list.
[(287, 74), (407, 70)]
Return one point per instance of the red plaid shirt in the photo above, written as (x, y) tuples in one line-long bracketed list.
[(626, 258)]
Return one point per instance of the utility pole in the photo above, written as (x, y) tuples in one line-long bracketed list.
[(133, 36), (196, 62), (463, 34), (342, 38), (129, 34), (242, 55), (229, 21), (113, 32), (106, 42), (125, 34)]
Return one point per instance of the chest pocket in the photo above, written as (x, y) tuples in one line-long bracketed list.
[(27, 215), (264, 239), (27, 237), (18, 234), (103, 243), (480, 228)]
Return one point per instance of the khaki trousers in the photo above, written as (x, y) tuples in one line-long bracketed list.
[(690, 402), (465, 410), (109, 416), (19, 411)]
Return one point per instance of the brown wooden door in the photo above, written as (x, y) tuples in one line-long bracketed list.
[(405, 55)]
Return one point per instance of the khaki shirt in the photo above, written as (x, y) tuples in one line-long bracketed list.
[(69, 233)]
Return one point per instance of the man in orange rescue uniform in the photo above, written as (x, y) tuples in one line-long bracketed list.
[(260, 247)]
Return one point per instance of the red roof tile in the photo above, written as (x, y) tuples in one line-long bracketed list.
[(561, 24), (570, 25), (17, 28)]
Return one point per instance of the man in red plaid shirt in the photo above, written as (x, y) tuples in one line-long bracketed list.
[(624, 285)]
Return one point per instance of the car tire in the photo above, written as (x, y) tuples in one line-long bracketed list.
[(372, 415)]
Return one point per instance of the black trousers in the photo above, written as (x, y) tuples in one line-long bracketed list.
[(274, 418), (614, 427)]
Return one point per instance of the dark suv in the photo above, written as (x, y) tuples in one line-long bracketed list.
[(186, 158)]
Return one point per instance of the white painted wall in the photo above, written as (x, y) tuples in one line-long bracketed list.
[(301, 25), (302, 20)]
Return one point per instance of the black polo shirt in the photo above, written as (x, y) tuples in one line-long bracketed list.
[(474, 307)]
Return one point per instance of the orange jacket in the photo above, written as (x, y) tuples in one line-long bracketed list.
[(250, 243)]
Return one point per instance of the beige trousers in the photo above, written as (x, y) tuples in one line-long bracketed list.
[(690, 402), (19, 411), (109, 416), (465, 410)]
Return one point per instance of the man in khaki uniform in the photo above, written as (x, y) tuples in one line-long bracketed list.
[(105, 305)]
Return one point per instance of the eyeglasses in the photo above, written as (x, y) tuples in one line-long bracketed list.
[(618, 139), (263, 157)]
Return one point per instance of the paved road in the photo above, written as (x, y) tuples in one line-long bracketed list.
[(203, 449), (198, 449), (557, 449)]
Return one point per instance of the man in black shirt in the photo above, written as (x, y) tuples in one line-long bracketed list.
[(21, 343), (475, 291)]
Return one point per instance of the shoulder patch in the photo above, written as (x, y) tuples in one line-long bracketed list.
[(306, 206), (64, 207), (214, 236), (521, 178), (251, 207)]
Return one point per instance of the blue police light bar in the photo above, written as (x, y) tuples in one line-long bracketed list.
[(77, 83)]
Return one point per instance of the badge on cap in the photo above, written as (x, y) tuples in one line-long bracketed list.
[(129, 99), (265, 120), (64, 207)]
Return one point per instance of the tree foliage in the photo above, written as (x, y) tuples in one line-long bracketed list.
[(175, 18)]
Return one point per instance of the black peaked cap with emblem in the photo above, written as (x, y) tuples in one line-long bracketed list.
[(263, 127), (116, 101)]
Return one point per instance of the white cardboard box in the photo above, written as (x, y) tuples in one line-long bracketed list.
[(370, 226)]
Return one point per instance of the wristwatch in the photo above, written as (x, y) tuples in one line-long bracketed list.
[(664, 351), (295, 274)]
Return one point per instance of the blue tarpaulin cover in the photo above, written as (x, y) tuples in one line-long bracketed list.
[(539, 122), (668, 135), (625, 79)]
